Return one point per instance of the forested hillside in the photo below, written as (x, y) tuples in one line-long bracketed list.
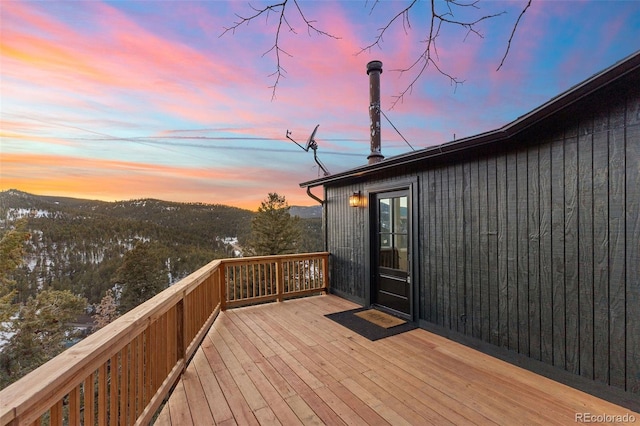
[(79, 244)]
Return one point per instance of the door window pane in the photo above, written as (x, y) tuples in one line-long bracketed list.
[(392, 233)]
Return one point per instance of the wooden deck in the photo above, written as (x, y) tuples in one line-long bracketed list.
[(285, 363)]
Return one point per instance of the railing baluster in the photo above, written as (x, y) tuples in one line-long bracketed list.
[(89, 404), (102, 394), (140, 399), (243, 282), (74, 406), (162, 348), (253, 279), (124, 387), (113, 389), (147, 366), (172, 336), (279, 280), (55, 414), (181, 341)]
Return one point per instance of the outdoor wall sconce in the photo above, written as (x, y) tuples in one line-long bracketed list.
[(355, 200)]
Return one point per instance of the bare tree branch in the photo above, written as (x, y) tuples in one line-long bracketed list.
[(403, 14), (427, 57), (279, 8), (280, 71), (311, 26), (513, 31), (246, 20)]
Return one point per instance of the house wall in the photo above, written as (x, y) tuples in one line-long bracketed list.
[(346, 239), (533, 246)]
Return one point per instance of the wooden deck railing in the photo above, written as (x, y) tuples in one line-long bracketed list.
[(122, 373)]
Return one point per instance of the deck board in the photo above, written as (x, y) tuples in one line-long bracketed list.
[(286, 363)]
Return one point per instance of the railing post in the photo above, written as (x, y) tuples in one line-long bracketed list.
[(325, 272), (279, 280), (222, 285)]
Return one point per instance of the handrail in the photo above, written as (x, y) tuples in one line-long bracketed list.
[(122, 373)]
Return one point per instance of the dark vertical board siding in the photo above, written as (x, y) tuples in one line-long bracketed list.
[(571, 249), (348, 249), (340, 250), (468, 248), (351, 216), (364, 239), (421, 243), (346, 240), (533, 230), (349, 267), (354, 215), (503, 250), (440, 279), (333, 244), (546, 279), (633, 244), (492, 251), (435, 244), (452, 283), (557, 252), (585, 246), (332, 238), (342, 255), (422, 271), (433, 248), (436, 263), (425, 223), (523, 252), (460, 250), (601, 248), (476, 310), (483, 253), (512, 248), (345, 250), (446, 249), (617, 245)]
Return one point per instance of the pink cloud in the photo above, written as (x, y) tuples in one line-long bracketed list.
[(125, 57)]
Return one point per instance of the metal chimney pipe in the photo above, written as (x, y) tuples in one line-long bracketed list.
[(374, 69)]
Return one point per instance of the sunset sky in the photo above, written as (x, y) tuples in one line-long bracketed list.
[(116, 100)]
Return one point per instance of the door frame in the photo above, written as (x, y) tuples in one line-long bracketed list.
[(371, 192)]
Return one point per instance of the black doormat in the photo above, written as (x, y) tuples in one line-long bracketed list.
[(365, 328)]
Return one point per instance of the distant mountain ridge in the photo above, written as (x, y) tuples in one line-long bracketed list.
[(20, 199), (308, 212)]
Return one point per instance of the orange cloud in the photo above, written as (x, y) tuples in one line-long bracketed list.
[(113, 180)]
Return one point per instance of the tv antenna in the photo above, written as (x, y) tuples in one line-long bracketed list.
[(311, 144)]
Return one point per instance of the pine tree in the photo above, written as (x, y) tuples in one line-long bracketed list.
[(273, 230), (11, 257), (142, 275), (106, 311), (39, 333)]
